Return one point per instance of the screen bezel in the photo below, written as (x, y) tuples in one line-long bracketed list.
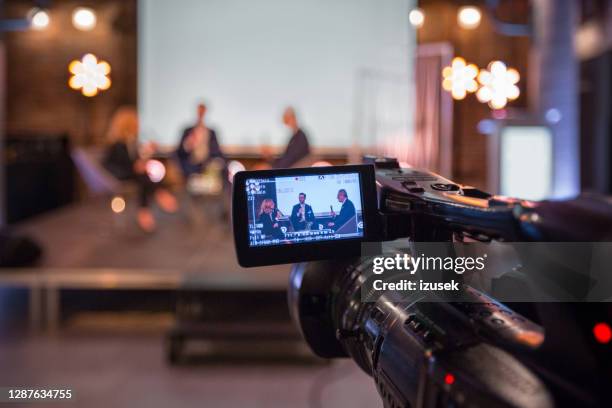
[(292, 253)]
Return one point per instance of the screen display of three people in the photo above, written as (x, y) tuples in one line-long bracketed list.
[(306, 208)]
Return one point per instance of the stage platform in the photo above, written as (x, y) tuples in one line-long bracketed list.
[(87, 247), (90, 235)]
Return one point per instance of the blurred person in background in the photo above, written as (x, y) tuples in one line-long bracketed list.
[(198, 146), (297, 148), (126, 160)]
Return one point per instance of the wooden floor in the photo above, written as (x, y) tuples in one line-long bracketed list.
[(90, 235)]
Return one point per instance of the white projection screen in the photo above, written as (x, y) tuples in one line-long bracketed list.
[(345, 65)]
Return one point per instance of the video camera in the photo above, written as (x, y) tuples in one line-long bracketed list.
[(424, 348)]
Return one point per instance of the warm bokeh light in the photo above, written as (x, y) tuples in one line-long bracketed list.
[(321, 163), (498, 85), (233, 167), (460, 78), (118, 205), (39, 18), (469, 17), (416, 17), (84, 19), (155, 170), (89, 75)]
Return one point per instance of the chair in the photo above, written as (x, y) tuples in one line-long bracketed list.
[(98, 180)]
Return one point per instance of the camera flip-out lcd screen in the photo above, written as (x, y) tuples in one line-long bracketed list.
[(294, 215), (304, 208)]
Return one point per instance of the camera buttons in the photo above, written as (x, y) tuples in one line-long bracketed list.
[(445, 187)]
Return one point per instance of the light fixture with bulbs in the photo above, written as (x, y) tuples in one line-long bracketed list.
[(84, 19), (469, 17), (416, 17), (89, 75), (39, 18), (495, 85), (460, 78), (498, 85)]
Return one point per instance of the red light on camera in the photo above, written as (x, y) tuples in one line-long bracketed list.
[(449, 379), (602, 333)]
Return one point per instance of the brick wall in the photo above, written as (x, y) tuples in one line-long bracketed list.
[(37, 94), (478, 46)]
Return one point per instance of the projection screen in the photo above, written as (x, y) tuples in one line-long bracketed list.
[(345, 65)]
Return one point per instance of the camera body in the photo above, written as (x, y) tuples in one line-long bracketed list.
[(389, 203), (425, 349)]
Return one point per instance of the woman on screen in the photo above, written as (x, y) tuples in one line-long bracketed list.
[(268, 216)]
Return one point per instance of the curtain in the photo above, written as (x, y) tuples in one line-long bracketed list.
[(431, 145), (408, 117)]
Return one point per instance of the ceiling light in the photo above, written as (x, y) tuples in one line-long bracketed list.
[(89, 75), (84, 19), (460, 78), (469, 17), (416, 17), (498, 85), (39, 18)]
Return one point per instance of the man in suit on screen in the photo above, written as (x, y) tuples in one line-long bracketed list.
[(302, 216), (347, 213)]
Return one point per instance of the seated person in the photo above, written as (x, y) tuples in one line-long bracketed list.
[(347, 211), (298, 146), (198, 146), (124, 161), (302, 216), (268, 216)]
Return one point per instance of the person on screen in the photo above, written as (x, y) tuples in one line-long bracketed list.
[(347, 211), (268, 216), (198, 146), (302, 216), (298, 146)]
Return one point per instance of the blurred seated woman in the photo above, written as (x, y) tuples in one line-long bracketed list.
[(126, 160), (268, 216)]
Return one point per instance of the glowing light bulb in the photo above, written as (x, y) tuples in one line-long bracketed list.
[(416, 17), (39, 19), (84, 19), (460, 78), (89, 75), (498, 85), (469, 17)]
